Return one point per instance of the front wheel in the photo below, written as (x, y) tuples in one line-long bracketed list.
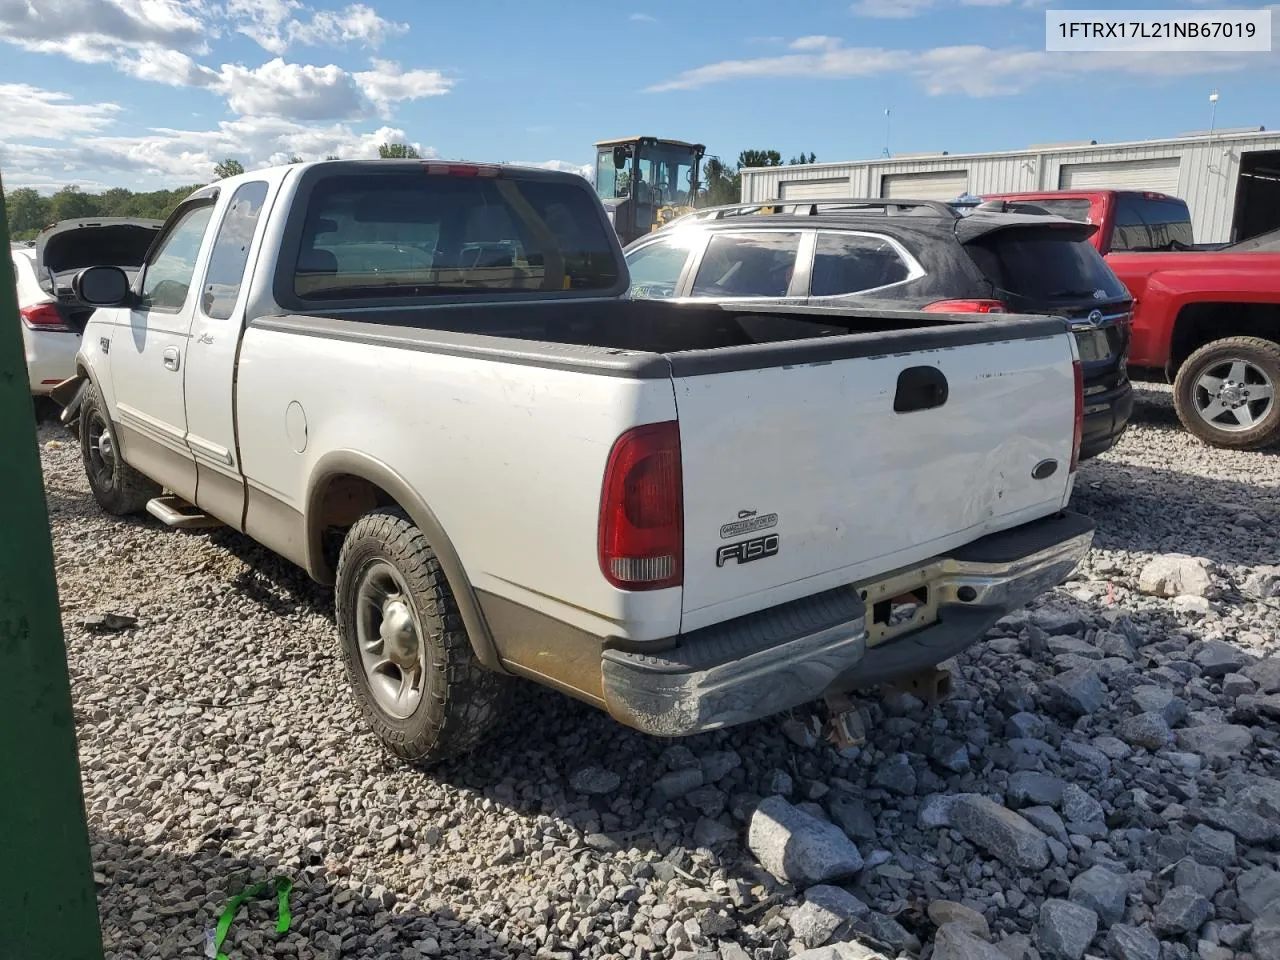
[(119, 489), (405, 649), (1225, 393)]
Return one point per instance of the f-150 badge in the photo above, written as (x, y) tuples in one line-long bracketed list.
[(745, 551), (748, 522)]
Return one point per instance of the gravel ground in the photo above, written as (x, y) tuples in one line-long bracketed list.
[(1134, 734)]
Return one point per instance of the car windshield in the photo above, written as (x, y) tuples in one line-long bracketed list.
[(411, 235)]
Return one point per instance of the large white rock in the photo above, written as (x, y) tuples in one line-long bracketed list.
[(1176, 575), (798, 848)]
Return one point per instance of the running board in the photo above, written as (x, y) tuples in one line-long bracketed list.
[(175, 512)]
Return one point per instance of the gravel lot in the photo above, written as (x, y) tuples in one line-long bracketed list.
[(1135, 734)]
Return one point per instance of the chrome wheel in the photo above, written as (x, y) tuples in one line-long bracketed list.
[(102, 452), (391, 650), (1233, 395)]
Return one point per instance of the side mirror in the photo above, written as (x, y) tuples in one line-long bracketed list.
[(101, 287), (619, 157)]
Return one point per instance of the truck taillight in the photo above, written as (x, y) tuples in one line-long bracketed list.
[(1078, 435), (966, 306), (642, 510), (43, 316)]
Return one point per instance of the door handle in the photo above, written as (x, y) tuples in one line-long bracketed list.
[(920, 388), (171, 358)]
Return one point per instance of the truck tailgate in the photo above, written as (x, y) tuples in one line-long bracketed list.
[(804, 477)]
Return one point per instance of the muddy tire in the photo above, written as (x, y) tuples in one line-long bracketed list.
[(1225, 393), (119, 489), (407, 655)]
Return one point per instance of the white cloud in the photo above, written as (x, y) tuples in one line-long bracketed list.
[(387, 84), (175, 156), (839, 62), (905, 9), (972, 70), (814, 43), (642, 18), (587, 170), (891, 9), (275, 25), (291, 90), (49, 115), (154, 40)]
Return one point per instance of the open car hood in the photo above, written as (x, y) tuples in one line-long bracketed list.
[(73, 244)]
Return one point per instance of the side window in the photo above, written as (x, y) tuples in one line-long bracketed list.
[(758, 264), (655, 269), (171, 267), (850, 263), (230, 251), (1131, 231)]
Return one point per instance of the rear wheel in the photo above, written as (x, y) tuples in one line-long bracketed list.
[(119, 489), (1225, 393), (407, 654)]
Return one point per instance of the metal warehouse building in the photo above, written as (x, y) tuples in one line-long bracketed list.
[(1229, 178)]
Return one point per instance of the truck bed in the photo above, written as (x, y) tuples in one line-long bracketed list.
[(624, 335)]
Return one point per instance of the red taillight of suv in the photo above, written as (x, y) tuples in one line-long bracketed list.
[(642, 510), (43, 316), (966, 306), (1078, 436)]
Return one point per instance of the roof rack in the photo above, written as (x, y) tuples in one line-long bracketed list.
[(814, 208)]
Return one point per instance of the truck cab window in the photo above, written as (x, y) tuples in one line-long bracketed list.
[(413, 236), (230, 251), (1131, 231), (170, 269)]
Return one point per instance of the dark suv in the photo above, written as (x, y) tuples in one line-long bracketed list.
[(907, 255)]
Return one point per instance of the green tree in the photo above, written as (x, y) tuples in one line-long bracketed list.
[(295, 159), (333, 156), (759, 158), (810, 158), (722, 184), (28, 212), (398, 151), (227, 168), (70, 204)]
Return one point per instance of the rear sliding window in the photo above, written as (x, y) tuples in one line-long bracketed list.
[(1074, 209), (1151, 223), (417, 235), (1044, 265)]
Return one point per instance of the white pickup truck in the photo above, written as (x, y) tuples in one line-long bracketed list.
[(423, 383)]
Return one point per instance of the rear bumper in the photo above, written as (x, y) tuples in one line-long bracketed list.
[(51, 357), (770, 661), (1105, 419)]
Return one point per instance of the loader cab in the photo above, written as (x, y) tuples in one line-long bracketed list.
[(645, 182)]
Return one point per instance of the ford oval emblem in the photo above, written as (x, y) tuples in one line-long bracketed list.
[(1095, 317)]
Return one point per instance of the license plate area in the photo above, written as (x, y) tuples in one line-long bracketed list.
[(899, 605)]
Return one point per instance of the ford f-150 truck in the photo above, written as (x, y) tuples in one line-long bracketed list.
[(423, 383), (1206, 319)]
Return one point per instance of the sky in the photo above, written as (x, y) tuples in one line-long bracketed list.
[(151, 93)]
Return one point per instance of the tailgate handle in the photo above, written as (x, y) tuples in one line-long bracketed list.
[(920, 388)]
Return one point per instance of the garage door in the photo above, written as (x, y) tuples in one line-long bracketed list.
[(942, 185), (815, 189), (1160, 175)]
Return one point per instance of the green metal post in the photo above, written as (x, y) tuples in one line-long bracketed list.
[(48, 908)]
